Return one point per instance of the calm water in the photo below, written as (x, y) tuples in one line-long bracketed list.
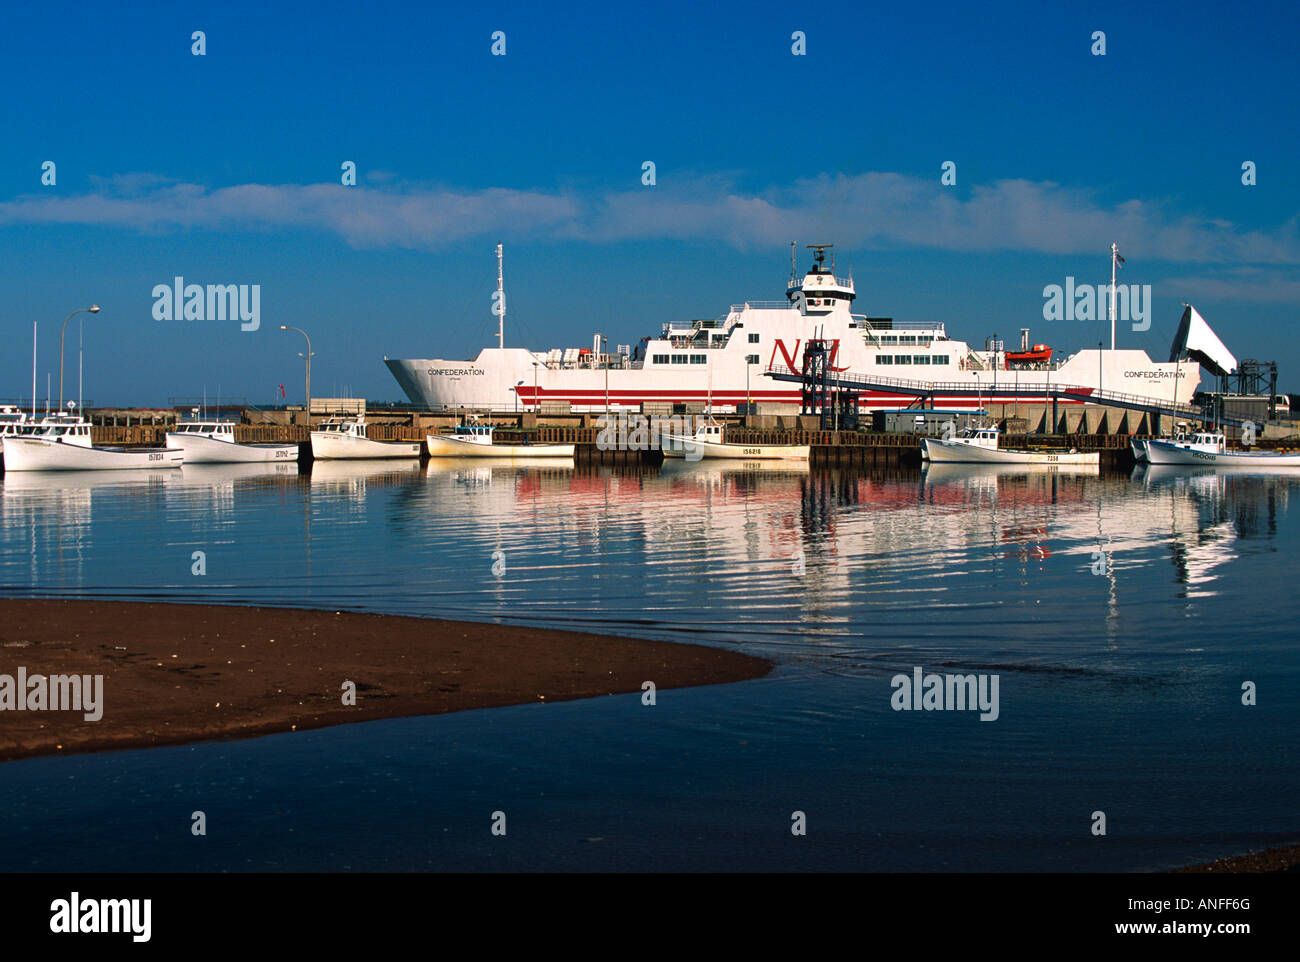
[(1121, 616)]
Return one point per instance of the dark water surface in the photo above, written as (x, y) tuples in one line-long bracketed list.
[(1120, 615)]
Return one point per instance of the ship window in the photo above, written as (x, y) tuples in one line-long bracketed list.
[(902, 359), (752, 359), (699, 359), (679, 358), (939, 359), (753, 338), (884, 359), (920, 358), (659, 359), (907, 339), (889, 339)]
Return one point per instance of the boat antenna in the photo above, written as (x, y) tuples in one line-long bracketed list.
[(792, 267), (501, 302)]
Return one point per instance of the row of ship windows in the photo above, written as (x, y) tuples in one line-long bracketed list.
[(911, 358), (921, 339), (693, 359)]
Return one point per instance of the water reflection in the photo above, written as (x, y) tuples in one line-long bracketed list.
[(766, 554)]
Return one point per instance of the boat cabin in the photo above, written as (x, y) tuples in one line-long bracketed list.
[(15, 423), (979, 437), (473, 433), (221, 430), (63, 430), (355, 427), (712, 432)]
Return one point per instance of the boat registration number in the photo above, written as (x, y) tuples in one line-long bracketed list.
[(155, 457)]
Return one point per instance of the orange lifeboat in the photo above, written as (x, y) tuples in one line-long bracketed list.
[(1039, 354)]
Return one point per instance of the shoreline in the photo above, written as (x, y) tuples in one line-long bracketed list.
[(176, 673), (1283, 859)]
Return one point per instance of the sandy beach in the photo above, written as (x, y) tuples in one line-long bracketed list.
[(181, 673)]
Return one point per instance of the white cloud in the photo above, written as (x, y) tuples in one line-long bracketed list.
[(872, 210), (1246, 284)]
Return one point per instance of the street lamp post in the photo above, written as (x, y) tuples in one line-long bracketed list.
[(307, 406), (604, 350), (92, 309)]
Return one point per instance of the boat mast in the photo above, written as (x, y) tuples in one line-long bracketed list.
[(33, 370), (1114, 262), (501, 303)]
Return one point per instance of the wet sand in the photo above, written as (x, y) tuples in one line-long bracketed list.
[(182, 673)]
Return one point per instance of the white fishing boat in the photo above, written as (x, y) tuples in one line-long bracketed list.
[(1210, 448), (1183, 435), (62, 443), (707, 442), (477, 441), (213, 442), (338, 439), (979, 445)]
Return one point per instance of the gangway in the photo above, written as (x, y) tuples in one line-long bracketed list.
[(1015, 391)]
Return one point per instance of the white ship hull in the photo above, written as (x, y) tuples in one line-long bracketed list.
[(1166, 453), (940, 450), (30, 454), (693, 450), (347, 447), (725, 361), (485, 383), (448, 446), (204, 450)]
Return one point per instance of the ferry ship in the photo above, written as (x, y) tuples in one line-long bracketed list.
[(723, 362)]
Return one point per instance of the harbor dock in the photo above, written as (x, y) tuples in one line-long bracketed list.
[(1084, 428)]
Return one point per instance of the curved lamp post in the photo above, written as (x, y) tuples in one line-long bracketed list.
[(92, 309), (285, 327)]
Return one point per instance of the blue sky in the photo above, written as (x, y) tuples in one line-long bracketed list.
[(225, 169)]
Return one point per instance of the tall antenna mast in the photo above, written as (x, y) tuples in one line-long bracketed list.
[(1115, 260), (501, 303), (792, 274)]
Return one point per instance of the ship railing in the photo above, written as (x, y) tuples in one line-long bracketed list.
[(760, 306), (863, 321)]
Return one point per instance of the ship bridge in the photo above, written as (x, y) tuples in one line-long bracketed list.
[(819, 291)]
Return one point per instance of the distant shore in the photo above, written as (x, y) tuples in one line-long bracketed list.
[(177, 673), (1283, 859)]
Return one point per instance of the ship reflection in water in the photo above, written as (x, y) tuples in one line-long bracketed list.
[(1121, 613)]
